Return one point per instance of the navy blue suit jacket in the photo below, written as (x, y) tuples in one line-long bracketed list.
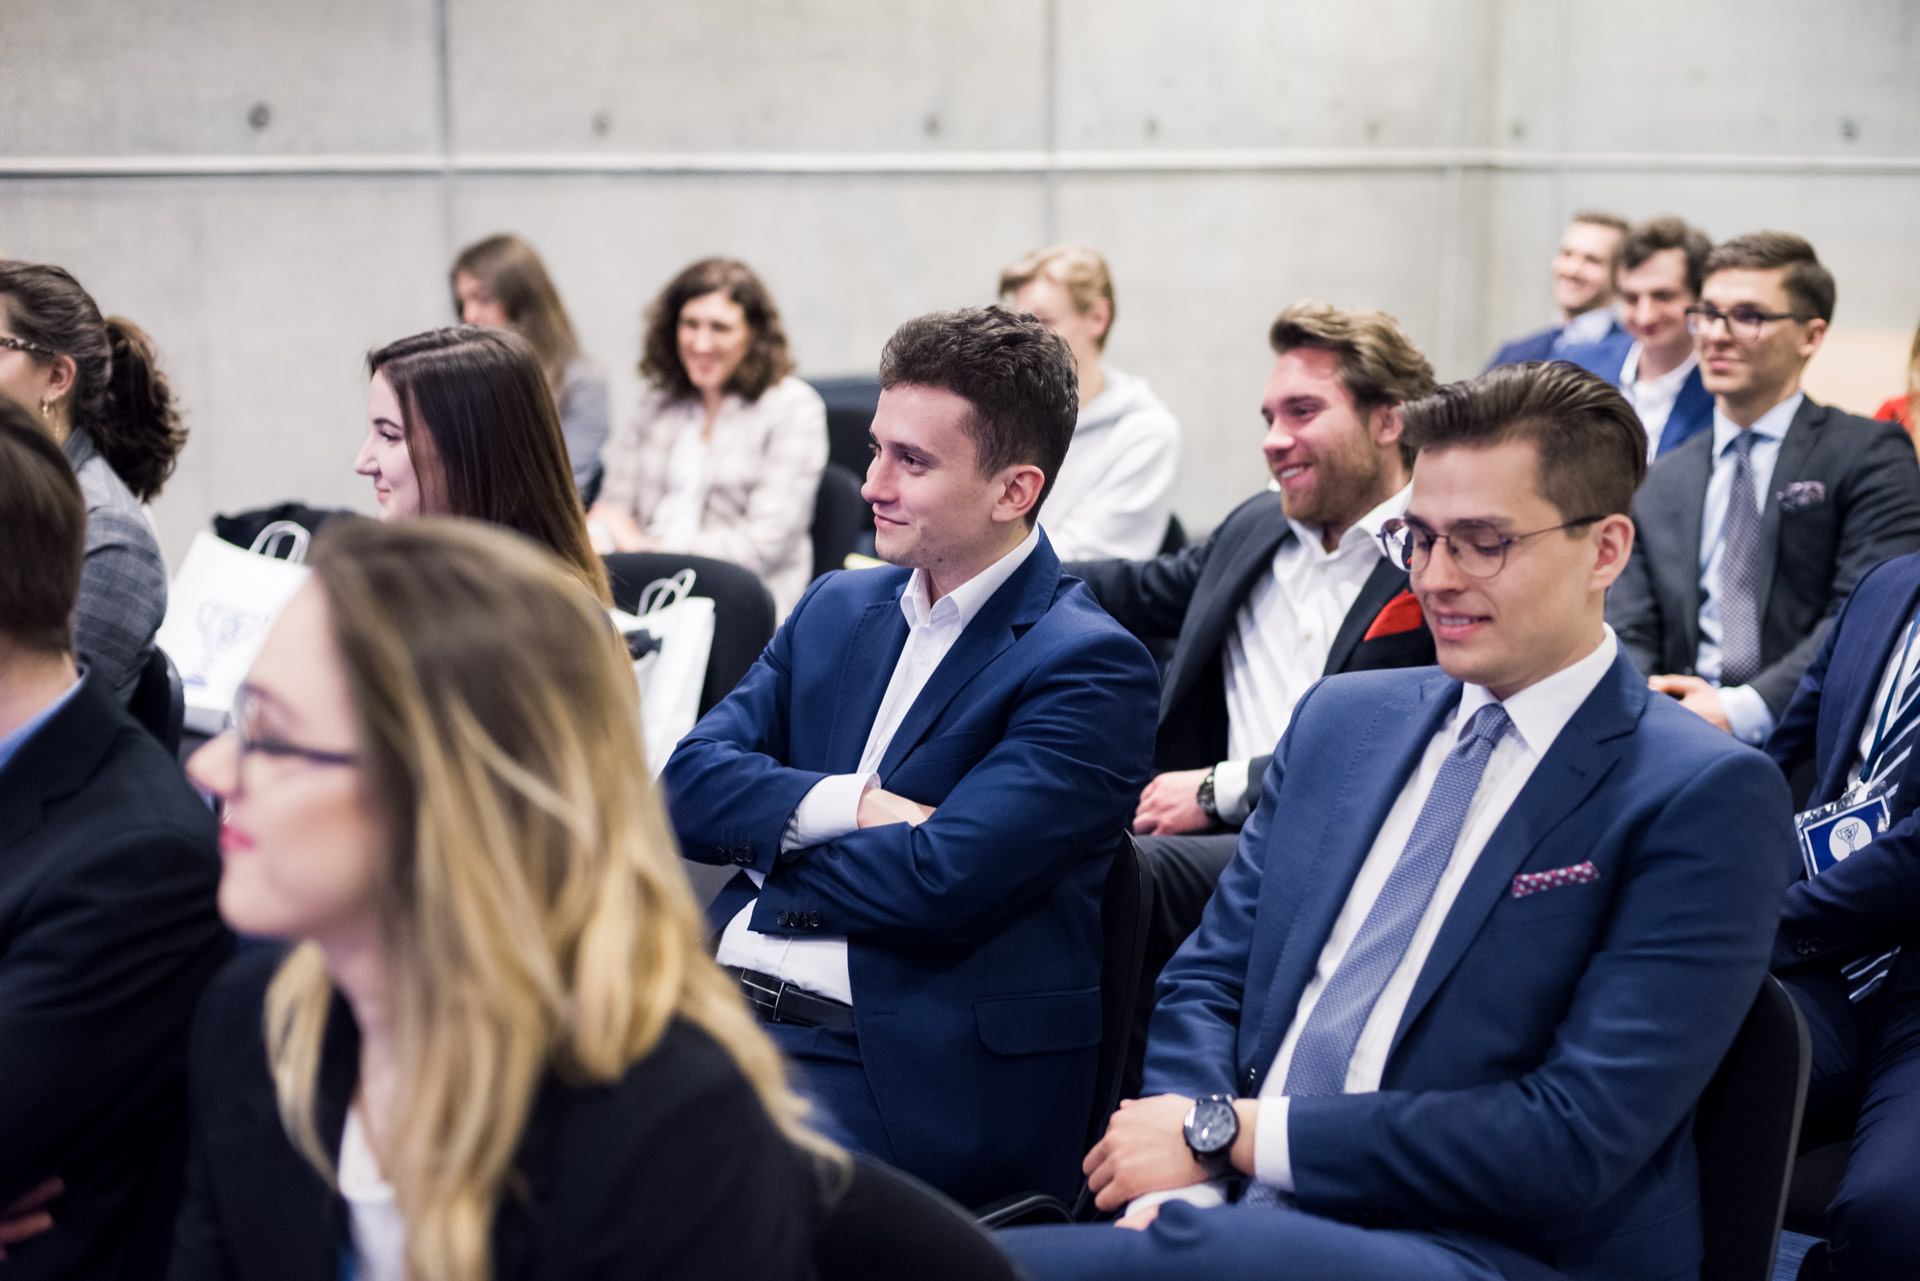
[(974, 938), (1543, 344), (1692, 409), (1871, 901), (1539, 1094)]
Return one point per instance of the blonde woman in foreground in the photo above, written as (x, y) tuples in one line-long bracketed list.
[(496, 1048)]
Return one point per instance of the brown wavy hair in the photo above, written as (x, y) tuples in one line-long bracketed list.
[(766, 361), (120, 396)]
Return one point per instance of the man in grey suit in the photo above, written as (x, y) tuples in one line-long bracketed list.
[(1751, 535)]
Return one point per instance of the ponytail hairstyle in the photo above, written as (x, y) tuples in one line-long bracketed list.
[(120, 397), (513, 273)]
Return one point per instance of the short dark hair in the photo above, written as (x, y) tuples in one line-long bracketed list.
[(1379, 365), (479, 397), (1661, 234), (1593, 450), (1016, 373), (1808, 283), (766, 361), (43, 527)]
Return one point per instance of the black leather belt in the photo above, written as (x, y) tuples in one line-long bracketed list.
[(778, 1001)]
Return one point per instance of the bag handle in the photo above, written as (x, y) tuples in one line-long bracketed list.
[(664, 593), (266, 542)]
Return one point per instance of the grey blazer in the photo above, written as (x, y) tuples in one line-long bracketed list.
[(1852, 492), (123, 580)]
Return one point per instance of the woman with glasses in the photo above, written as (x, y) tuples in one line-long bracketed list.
[(494, 1045), (94, 385), (500, 281), (460, 423)]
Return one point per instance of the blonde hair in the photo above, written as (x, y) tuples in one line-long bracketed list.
[(1078, 269), (533, 913)]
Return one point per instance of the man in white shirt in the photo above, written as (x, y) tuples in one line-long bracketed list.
[(1752, 534), (1291, 586), (1114, 493), (1652, 359), (1490, 930), (923, 781), (1582, 289)]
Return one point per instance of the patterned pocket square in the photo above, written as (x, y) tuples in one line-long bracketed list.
[(1535, 882), (1802, 494), (1401, 614)]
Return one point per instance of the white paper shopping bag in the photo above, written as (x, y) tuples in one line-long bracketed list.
[(671, 676), (218, 609)]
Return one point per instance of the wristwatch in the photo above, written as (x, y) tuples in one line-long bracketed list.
[(1211, 1127), (1204, 795)]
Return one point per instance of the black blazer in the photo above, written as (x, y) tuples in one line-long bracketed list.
[(108, 933), (1193, 595), (1855, 502), (674, 1171)]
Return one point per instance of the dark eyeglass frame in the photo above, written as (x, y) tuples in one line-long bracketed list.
[(1744, 324), (251, 744), (1400, 540), (9, 342)]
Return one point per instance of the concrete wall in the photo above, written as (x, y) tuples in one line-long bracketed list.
[(272, 187)]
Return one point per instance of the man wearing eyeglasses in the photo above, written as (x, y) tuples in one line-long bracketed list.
[(108, 929), (1489, 932), (1752, 535)]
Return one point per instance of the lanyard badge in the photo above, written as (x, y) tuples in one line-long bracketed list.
[(1832, 832)]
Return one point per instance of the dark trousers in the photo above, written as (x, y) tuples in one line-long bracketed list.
[(828, 1072), (1866, 1081), (1184, 870)]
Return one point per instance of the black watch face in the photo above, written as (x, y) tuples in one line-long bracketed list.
[(1213, 1126)]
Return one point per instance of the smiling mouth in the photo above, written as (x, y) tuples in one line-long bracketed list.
[(1293, 471)]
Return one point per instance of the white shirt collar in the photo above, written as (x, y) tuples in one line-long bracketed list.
[(1541, 710), (964, 601), (1365, 530), (1771, 425), (1588, 326), (1667, 382)]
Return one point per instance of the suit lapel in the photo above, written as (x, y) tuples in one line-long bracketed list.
[(1579, 758), (1384, 758), (1803, 434), (1382, 585), (1252, 558), (61, 756), (873, 651), (1019, 603), (1692, 411)]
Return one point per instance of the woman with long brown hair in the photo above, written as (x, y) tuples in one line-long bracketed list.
[(460, 423), (94, 384), (496, 1047)]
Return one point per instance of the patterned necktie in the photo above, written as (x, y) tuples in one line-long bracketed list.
[(1739, 591), (1325, 1046)]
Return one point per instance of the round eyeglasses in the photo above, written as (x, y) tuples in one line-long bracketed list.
[(1479, 550)]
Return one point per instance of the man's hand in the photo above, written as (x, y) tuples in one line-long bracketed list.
[(28, 1217), (878, 807), (1144, 1150), (1170, 805), (1698, 697)]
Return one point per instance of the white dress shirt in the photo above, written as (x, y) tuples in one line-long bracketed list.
[(831, 807), (1747, 712), (1282, 636), (1538, 714), (1589, 326), (373, 1217), (1653, 398)]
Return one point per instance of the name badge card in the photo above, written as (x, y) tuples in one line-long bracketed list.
[(1833, 832)]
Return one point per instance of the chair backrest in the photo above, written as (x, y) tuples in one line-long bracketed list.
[(743, 613), (840, 517), (159, 700), (851, 400), (887, 1224), (1746, 1129)]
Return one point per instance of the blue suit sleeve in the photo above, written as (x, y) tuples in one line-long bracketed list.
[(1054, 792), (1648, 1021)]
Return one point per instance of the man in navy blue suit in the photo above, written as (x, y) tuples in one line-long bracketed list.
[(1652, 358), (923, 781), (1490, 930), (1582, 289), (1849, 945)]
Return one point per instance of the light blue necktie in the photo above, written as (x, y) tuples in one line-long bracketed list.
[(1325, 1047)]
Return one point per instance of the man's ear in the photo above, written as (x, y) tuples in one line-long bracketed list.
[(1816, 334), (1020, 486), (1612, 545), (1100, 316), (1384, 425)]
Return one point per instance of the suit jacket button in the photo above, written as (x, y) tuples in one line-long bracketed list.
[(784, 919), (813, 920)]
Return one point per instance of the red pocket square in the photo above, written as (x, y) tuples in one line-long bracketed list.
[(1401, 614), (1534, 882)]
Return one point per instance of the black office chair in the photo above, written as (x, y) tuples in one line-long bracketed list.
[(1125, 906), (743, 613), (1746, 1129), (1176, 536), (241, 528), (159, 701), (851, 400), (888, 1224), (1816, 1181), (840, 519)]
